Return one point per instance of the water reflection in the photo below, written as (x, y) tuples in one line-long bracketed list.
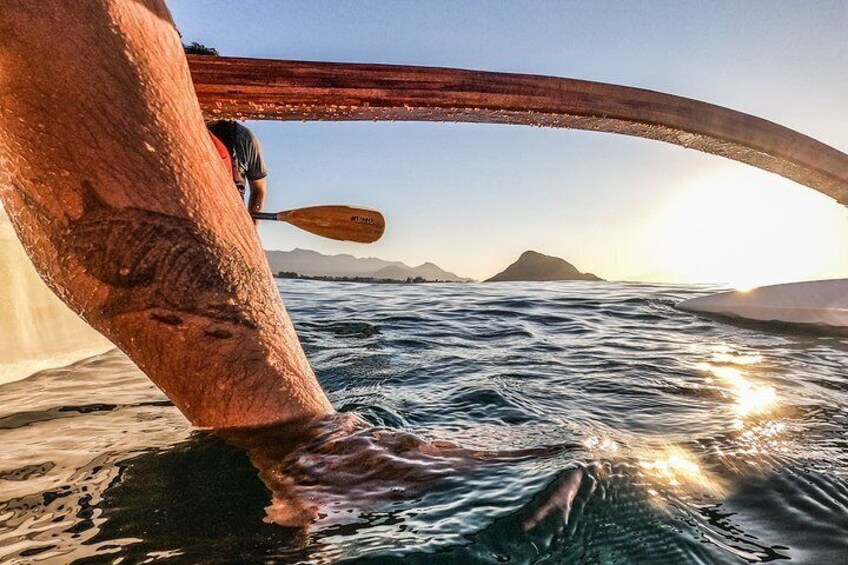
[(728, 370), (755, 435), (604, 445), (674, 467)]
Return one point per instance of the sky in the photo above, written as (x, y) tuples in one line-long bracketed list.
[(472, 197)]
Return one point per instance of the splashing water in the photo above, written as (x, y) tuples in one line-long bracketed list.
[(38, 330)]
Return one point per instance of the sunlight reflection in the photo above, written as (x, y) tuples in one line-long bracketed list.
[(755, 437), (595, 443), (752, 399), (674, 467), (726, 355), (745, 287)]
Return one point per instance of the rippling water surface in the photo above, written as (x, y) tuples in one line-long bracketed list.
[(520, 423)]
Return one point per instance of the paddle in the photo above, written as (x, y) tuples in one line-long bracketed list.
[(344, 223)]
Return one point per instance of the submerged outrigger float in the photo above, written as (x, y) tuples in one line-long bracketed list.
[(113, 186)]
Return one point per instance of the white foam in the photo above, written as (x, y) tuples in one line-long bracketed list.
[(37, 330)]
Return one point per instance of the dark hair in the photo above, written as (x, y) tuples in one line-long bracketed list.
[(196, 48)]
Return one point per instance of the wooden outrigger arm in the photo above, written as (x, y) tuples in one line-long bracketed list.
[(260, 89)]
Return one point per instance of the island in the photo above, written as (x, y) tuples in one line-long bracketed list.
[(535, 266)]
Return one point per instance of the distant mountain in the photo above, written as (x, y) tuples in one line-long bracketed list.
[(311, 263), (533, 266)]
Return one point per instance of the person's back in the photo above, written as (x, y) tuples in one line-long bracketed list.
[(246, 161)]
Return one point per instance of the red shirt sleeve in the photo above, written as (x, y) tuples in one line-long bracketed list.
[(222, 151)]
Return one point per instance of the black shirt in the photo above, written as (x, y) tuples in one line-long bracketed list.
[(245, 152)]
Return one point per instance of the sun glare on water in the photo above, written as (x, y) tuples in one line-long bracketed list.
[(748, 228), (673, 467), (751, 398)]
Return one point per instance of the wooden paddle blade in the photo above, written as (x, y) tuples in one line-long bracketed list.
[(344, 223)]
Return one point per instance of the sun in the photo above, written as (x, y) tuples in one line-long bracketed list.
[(747, 228)]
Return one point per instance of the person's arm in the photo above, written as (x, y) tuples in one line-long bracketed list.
[(115, 189), (256, 172), (257, 196)]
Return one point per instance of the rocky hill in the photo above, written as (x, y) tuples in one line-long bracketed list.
[(534, 266)]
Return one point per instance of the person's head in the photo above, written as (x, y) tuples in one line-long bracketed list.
[(195, 48)]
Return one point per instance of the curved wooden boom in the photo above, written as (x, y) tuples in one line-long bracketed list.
[(260, 89)]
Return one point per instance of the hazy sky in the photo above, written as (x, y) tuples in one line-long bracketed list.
[(472, 197)]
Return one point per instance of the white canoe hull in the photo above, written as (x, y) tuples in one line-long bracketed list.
[(818, 303)]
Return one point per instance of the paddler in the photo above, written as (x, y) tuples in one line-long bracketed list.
[(239, 148)]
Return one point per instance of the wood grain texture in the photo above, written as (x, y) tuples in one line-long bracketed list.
[(343, 223), (260, 89)]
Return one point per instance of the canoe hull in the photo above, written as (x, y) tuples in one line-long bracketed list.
[(817, 304)]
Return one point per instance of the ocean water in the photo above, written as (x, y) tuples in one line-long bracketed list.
[(479, 423)]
